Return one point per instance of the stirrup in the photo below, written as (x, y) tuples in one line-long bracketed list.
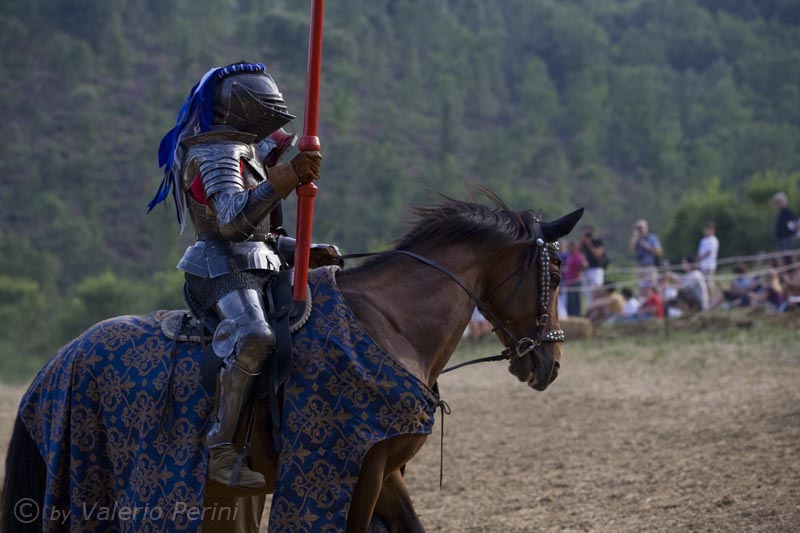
[(226, 466)]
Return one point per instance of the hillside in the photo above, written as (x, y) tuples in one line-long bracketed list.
[(623, 106)]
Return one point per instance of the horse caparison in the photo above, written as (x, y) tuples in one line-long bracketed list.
[(417, 314)]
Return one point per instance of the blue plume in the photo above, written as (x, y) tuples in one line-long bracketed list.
[(186, 124), (195, 116)]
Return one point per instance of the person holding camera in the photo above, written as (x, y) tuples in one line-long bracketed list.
[(593, 276), (646, 248)]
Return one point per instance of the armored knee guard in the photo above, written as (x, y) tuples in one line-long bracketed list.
[(245, 340)]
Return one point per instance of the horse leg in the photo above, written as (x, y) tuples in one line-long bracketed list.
[(394, 506), (224, 514), (385, 457), (367, 489), (24, 486)]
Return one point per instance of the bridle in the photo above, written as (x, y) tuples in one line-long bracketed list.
[(520, 347)]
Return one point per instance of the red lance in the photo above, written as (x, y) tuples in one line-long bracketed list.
[(309, 142)]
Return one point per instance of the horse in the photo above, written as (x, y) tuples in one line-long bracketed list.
[(414, 301)]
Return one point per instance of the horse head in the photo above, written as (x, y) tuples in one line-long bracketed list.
[(522, 293)]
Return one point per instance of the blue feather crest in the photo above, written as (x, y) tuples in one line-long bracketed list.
[(195, 116)]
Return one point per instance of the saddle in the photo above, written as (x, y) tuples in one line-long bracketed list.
[(193, 331), (285, 317)]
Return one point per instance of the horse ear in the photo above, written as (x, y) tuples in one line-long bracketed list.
[(552, 231)]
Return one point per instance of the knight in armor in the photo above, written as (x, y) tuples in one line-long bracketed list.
[(221, 162)]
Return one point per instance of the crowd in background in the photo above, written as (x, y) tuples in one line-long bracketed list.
[(655, 289), (658, 289)]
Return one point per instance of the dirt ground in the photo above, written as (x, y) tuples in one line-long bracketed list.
[(688, 435), (696, 433)]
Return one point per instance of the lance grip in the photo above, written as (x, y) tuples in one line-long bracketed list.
[(305, 215)]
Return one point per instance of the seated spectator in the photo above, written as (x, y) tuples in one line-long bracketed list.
[(653, 306), (791, 281), (769, 294), (631, 305), (693, 294), (791, 286), (608, 305), (738, 293)]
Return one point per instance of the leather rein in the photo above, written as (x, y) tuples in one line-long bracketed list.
[(520, 347)]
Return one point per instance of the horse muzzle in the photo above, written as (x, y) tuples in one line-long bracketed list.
[(535, 367)]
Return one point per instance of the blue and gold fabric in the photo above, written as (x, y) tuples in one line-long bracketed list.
[(345, 394), (120, 419), (121, 425)]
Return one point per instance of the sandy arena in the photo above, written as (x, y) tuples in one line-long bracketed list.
[(698, 433), (684, 436)]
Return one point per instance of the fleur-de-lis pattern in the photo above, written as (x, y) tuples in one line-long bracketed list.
[(121, 424), (116, 460), (345, 394)]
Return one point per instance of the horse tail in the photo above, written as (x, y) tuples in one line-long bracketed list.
[(24, 486)]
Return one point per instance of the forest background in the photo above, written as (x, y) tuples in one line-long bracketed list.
[(678, 111)]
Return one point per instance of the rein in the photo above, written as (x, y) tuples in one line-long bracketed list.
[(522, 346)]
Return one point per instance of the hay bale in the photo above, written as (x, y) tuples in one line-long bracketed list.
[(576, 328)]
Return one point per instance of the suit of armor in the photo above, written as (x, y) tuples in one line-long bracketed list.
[(216, 159), (229, 198)]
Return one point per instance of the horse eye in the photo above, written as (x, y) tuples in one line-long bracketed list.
[(555, 279)]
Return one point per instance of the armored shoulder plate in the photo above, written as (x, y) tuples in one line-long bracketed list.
[(217, 161)]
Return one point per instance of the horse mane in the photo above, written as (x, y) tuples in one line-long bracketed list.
[(452, 221)]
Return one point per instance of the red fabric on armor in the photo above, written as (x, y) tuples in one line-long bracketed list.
[(196, 190), (283, 141)]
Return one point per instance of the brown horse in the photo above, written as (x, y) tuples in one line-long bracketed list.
[(418, 314), (415, 302)]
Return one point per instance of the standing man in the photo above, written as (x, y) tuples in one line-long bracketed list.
[(221, 161), (646, 248), (785, 222), (707, 252), (573, 267), (595, 253)]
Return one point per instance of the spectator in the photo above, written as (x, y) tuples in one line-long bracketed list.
[(770, 294), (646, 248), (631, 305), (562, 294), (605, 306), (694, 291), (478, 326), (653, 306), (738, 293), (791, 284), (785, 222), (707, 252), (593, 276), (574, 266)]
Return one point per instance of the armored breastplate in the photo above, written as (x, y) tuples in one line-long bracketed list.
[(214, 255)]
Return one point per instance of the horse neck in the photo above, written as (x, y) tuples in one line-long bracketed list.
[(414, 312)]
